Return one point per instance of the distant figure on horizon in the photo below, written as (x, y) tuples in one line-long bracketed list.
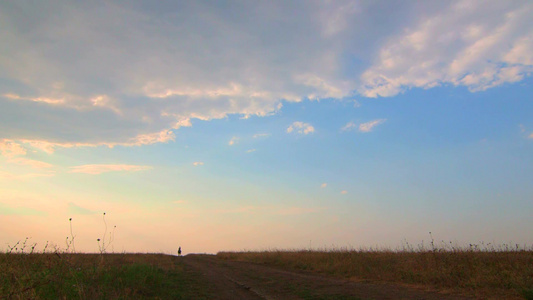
[(179, 251)]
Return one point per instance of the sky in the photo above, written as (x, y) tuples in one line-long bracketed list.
[(252, 125)]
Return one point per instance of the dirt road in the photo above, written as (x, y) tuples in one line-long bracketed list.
[(240, 280)]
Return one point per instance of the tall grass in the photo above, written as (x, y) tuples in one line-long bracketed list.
[(486, 270)]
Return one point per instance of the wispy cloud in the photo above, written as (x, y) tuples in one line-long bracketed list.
[(11, 176), (323, 185), (363, 127), (368, 126), (250, 150), (349, 126), (301, 128), (198, 163), (104, 168), (259, 135), (14, 152), (29, 162), (531, 136), (344, 192), (149, 138), (163, 136), (10, 148), (233, 141), (35, 99)]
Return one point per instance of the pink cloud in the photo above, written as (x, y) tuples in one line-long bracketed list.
[(10, 148), (98, 169), (29, 162)]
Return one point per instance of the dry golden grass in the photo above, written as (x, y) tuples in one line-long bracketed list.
[(492, 273)]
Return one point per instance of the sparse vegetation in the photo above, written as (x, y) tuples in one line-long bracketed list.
[(480, 270), (85, 276), (54, 273)]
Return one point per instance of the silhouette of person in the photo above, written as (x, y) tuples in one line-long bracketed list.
[(179, 251)]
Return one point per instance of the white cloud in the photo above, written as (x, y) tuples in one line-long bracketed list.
[(521, 52), (301, 128), (323, 185), (150, 138), (368, 126), (233, 141), (103, 168), (245, 60), (198, 163), (250, 150), (471, 43), (349, 126)]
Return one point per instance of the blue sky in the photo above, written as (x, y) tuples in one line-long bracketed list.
[(234, 125)]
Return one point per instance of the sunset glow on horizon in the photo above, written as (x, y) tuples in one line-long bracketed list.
[(265, 124)]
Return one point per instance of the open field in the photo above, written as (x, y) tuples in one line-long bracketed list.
[(340, 274), (158, 276), (246, 149), (97, 276), (497, 273)]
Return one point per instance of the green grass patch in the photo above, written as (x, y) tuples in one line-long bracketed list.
[(92, 276)]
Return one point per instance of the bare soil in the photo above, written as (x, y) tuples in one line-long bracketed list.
[(242, 280)]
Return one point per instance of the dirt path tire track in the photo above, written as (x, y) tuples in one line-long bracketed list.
[(241, 280), (216, 277)]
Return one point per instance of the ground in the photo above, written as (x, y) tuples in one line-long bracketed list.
[(241, 280)]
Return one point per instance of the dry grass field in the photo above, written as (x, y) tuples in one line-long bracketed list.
[(485, 272), (502, 272)]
